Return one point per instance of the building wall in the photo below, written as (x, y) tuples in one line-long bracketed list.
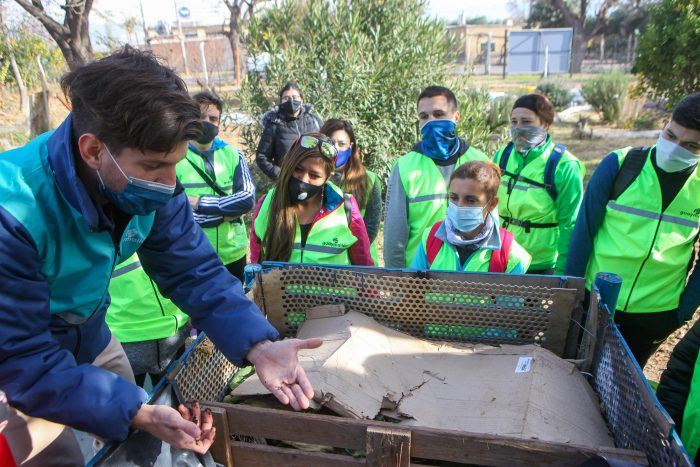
[(471, 41)]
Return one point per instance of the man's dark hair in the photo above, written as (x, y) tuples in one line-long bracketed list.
[(209, 98), (129, 100), (687, 112), (435, 91), (291, 85)]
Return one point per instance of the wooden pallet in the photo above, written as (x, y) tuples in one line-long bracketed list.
[(385, 444)]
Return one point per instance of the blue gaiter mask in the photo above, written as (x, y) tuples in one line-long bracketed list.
[(140, 197), (439, 139), (343, 157)]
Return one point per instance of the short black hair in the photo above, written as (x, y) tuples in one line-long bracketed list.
[(129, 100), (291, 85), (687, 112), (209, 98), (435, 91)]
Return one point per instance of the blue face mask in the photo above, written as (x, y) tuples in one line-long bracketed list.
[(464, 219), (140, 197), (439, 139), (343, 157)]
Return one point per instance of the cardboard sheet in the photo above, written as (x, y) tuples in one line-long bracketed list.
[(364, 369)]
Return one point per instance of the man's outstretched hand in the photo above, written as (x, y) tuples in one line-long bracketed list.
[(277, 366), (184, 430)]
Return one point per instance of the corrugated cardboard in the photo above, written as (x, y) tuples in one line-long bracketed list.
[(364, 369)]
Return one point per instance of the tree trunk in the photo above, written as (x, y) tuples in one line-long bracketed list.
[(23, 97), (234, 37), (578, 50)]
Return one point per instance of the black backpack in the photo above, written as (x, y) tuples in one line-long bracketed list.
[(629, 170)]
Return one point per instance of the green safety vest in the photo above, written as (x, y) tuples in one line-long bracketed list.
[(648, 248), (230, 238), (426, 192), (328, 240), (691, 415), (529, 202), (447, 258), (138, 312)]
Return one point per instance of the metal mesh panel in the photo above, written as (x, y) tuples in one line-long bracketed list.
[(632, 417), (204, 373), (451, 310)]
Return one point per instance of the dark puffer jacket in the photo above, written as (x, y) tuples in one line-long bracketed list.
[(279, 133), (674, 387)]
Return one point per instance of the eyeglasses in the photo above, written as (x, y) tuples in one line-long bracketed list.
[(324, 145)]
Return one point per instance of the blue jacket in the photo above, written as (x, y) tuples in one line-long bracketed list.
[(54, 272)]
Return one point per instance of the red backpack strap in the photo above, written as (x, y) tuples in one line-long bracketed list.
[(433, 245), (499, 258)]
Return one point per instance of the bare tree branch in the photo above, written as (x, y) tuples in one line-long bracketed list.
[(36, 9)]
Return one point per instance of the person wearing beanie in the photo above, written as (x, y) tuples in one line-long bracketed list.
[(541, 186)]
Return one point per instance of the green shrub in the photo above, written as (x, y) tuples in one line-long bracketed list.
[(668, 56), (557, 93), (364, 61), (607, 94)]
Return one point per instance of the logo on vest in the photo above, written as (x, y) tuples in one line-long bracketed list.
[(132, 235), (693, 213), (335, 243)]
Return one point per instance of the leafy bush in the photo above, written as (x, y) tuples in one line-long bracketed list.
[(558, 94), (364, 61), (607, 94), (668, 56)]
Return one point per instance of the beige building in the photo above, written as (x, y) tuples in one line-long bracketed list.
[(472, 40), (164, 41)]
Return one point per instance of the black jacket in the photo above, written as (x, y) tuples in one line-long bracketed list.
[(279, 133), (674, 386)]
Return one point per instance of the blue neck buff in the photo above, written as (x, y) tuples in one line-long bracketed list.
[(439, 139), (343, 157)]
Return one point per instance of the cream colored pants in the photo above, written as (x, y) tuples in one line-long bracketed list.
[(39, 442)]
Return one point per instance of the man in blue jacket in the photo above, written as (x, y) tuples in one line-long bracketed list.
[(74, 203)]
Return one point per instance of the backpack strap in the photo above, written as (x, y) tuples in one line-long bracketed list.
[(499, 258), (629, 170), (348, 207), (550, 169), (433, 244)]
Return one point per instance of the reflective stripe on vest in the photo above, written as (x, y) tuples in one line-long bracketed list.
[(328, 240), (649, 248), (230, 238), (138, 312), (447, 258), (528, 202), (426, 192), (691, 415)]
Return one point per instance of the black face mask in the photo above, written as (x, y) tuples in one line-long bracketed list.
[(290, 107), (301, 191), (210, 132)]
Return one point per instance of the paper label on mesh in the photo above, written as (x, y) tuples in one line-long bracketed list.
[(524, 365)]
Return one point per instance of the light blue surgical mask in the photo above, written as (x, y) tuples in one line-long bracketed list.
[(527, 136), (439, 139), (140, 197), (465, 219), (671, 157)]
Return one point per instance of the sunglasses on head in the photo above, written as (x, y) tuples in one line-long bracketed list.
[(324, 144)]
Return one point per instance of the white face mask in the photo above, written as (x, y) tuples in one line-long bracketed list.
[(671, 157)]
